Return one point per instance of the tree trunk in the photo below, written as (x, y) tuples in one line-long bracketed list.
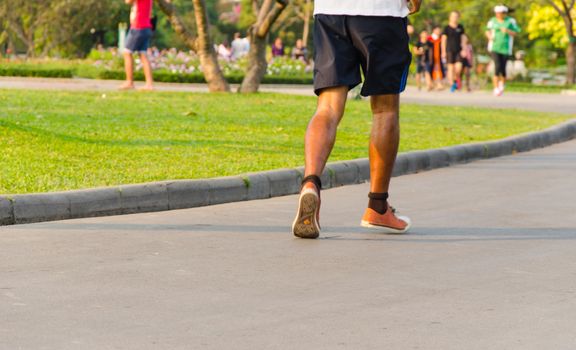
[(177, 23), (30, 47), (564, 9), (257, 65), (208, 58), (307, 15), (571, 62), (202, 45)]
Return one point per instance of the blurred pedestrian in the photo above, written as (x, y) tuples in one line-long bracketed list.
[(422, 51), (137, 41), (239, 47), (500, 31), (224, 51), (467, 63), (278, 48), (300, 52), (437, 63), (453, 40)]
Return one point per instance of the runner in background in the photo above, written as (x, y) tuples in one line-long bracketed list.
[(500, 31), (436, 64), (422, 57), (467, 63), (453, 40)]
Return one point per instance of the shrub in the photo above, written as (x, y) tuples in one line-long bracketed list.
[(23, 71)]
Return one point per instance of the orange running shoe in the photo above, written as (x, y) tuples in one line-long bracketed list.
[(387, 222), (306, 224)]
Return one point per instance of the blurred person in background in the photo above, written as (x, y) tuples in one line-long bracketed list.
[(453, 40), (239, 47), (224, 51), (422, 51), (437, 63), (467, 63), (138, 41), (278, 48), (300, 52), (500, 32)]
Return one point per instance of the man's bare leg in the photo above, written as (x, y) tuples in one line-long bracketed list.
[(384, 140), (129, 70), (320, 139), (147, 68), (321, 132)]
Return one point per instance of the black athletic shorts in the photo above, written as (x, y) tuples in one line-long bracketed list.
[(500, 62), (422, 67), (453, 57), (346, 44)]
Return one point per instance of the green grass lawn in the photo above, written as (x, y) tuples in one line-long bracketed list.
[(53, 140), (532, 88)]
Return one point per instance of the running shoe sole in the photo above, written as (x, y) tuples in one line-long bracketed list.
[(306, 225), (386, 229)]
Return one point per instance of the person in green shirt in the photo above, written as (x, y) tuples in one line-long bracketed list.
[(500, 31)]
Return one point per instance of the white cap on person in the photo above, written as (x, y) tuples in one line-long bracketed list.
[(500, 9)]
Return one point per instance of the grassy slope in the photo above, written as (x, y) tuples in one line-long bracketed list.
[(67, 140)]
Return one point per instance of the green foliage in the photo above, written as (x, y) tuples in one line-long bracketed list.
[(542, 54), (38, 68), (57, 27), (545, 23), (247, 16), (55, 140), (42, 72), (165, 37)]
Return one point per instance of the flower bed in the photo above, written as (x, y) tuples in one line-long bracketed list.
[(171, 66)]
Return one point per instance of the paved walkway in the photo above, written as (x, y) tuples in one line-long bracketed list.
[(489, 265), (538, 102)]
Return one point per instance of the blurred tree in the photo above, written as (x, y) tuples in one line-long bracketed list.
[(298, 12), (247, 15), (165, 35), (554, 20), (63, 27), (266, 12), (201, 43)]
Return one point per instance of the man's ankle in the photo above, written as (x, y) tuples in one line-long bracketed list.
[(378, 202), (312, 182)]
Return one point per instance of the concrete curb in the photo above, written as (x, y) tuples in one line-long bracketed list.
[(181, 194)]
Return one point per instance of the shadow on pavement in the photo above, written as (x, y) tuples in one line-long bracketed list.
[(333, 233)]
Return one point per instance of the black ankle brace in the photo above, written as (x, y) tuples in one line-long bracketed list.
[(314, 179), (378, 202), (378, 196)]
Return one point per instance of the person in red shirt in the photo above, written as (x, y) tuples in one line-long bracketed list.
[(137, 41)]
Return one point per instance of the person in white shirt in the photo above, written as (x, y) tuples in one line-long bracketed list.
[(353, 37), (239, 47)]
